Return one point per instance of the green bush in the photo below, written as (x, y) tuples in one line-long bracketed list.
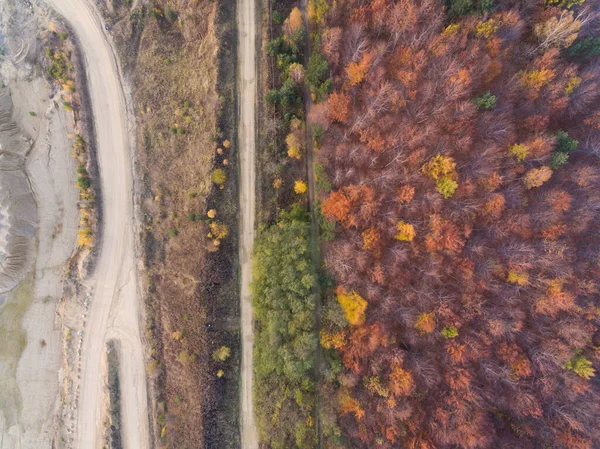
[(221, 354), (170, 15), (277, 18), (218, 176), (83, 182)]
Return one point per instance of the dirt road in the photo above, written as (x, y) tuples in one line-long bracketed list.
[(247, 133), (114, 308)]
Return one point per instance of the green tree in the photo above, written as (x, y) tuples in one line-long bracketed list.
[(446, 186), (564, 3), (564, 143), (450, 332), (317, 75), (581, 366), (485, 101), (587, 47), (458, 8), (558, 159), (284, 304)]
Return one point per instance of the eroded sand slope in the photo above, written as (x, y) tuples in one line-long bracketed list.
[(30, 354)]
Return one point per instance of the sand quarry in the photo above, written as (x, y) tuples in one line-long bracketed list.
[(38, 231)]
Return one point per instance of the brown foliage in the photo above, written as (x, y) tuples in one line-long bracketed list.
[(509, 260), (339, 106)]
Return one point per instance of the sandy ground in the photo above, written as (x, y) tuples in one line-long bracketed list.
[(115, 309), (28, 421), (247, 139)]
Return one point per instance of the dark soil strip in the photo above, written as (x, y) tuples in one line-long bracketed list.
[(314, 223), (114, 391)]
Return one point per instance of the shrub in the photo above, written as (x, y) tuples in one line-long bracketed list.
[(218, 176), (300, 187), (218, 230), (221, 354), (185, 358), (170, 15), (83, 182), (277, 18)]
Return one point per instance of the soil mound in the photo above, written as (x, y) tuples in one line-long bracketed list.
[(18, 210)]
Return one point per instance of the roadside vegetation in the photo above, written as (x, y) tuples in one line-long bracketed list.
[(59, 62), (284, 307), (180, 57), (286, 293)]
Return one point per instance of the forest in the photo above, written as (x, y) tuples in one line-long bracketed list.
[(459, 146)]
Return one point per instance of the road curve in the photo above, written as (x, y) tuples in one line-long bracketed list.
[(247, 139), (114, 308)]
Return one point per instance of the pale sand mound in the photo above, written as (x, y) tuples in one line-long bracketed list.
[(18, 212), (30, 331)]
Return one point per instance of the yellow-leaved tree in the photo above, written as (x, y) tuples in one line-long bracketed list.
[(354, 306)]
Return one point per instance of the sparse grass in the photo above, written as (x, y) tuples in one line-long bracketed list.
[(14, 340), (184, 114)]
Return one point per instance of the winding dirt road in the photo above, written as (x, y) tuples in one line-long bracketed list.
[(247, 136), (114, 309)]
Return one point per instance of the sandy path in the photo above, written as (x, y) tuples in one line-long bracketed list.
[(247, 130), (114, 307)]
